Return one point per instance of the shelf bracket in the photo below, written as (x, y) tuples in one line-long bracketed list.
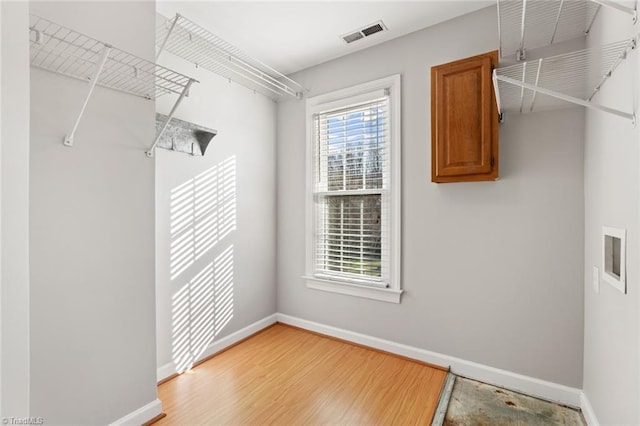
[(185, 92), (621, 57), (567, 98), (164, 42), (615, 5), (593, 19), (68, 139), (555, 27), (524, 76), (521, 54), (496, 89), (533, 98)]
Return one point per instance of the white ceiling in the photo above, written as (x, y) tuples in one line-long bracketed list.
[(293, 35)]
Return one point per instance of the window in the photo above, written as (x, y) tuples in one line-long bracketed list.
[(353, 191)]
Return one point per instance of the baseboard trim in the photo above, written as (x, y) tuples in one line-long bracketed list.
[(587, 411), (528, 385), (141, 416), (155, 419), (167, 371)]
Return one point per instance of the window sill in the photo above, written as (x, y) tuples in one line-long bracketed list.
[(357, 290)]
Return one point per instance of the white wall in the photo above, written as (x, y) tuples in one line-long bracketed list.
[(14, 212), (234, 232), (492, 271), (611, 338), (1, 217), (92, 232)]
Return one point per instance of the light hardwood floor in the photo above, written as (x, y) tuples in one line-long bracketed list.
[(284, 375)]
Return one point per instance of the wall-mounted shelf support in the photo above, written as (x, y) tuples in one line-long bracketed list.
[(557, 23), (68, 139), (530, 24), (574, 77), (496, 91), (561, 96), (521, 53), (61, 50), (185, 92), (166, 38), (533, 101), (621, 57), (191, 42), (619, 7)]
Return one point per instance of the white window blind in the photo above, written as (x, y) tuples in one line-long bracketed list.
[(351, 182)]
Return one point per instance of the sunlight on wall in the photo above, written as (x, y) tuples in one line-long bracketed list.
[(193, 305), (201, 309), (202, 214), (223, 289)]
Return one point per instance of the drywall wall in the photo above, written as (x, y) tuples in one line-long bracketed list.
[(1, 356), (612, 334), (14, 211), (92, 232), (492, 272), (215, 219)]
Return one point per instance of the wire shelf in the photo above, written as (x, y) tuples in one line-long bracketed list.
[(530, 24), (578, 75), (195, 44), (62, 50)]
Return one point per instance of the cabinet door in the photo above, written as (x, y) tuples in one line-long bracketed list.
[(464, 120)]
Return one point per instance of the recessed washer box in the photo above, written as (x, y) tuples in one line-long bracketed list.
[(614, 257)]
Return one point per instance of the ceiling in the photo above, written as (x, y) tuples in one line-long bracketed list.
[(293, 35)]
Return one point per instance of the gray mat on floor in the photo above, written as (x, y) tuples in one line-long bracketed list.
[(475, 403)]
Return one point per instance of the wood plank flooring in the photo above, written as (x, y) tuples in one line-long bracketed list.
[(284, 375)]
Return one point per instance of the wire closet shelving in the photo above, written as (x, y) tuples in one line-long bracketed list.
[(188, 40), (545, 83), (64, 51)]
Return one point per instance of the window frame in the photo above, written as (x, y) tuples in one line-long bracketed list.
[(333, 100)]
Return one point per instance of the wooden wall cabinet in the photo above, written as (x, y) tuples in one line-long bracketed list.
[(464, 120)]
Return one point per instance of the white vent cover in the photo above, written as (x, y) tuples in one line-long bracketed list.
[(363, 32), (614, 257)]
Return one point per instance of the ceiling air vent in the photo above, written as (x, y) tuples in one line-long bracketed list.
[(375, 28), (350, 38), (364, 32)]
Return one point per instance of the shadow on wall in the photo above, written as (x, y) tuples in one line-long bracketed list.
[(202, 214)]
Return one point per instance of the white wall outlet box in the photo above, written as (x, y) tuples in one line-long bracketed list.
[(614, 257), (596, 279)]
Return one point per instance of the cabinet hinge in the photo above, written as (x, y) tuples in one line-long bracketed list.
[(493, 161)]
